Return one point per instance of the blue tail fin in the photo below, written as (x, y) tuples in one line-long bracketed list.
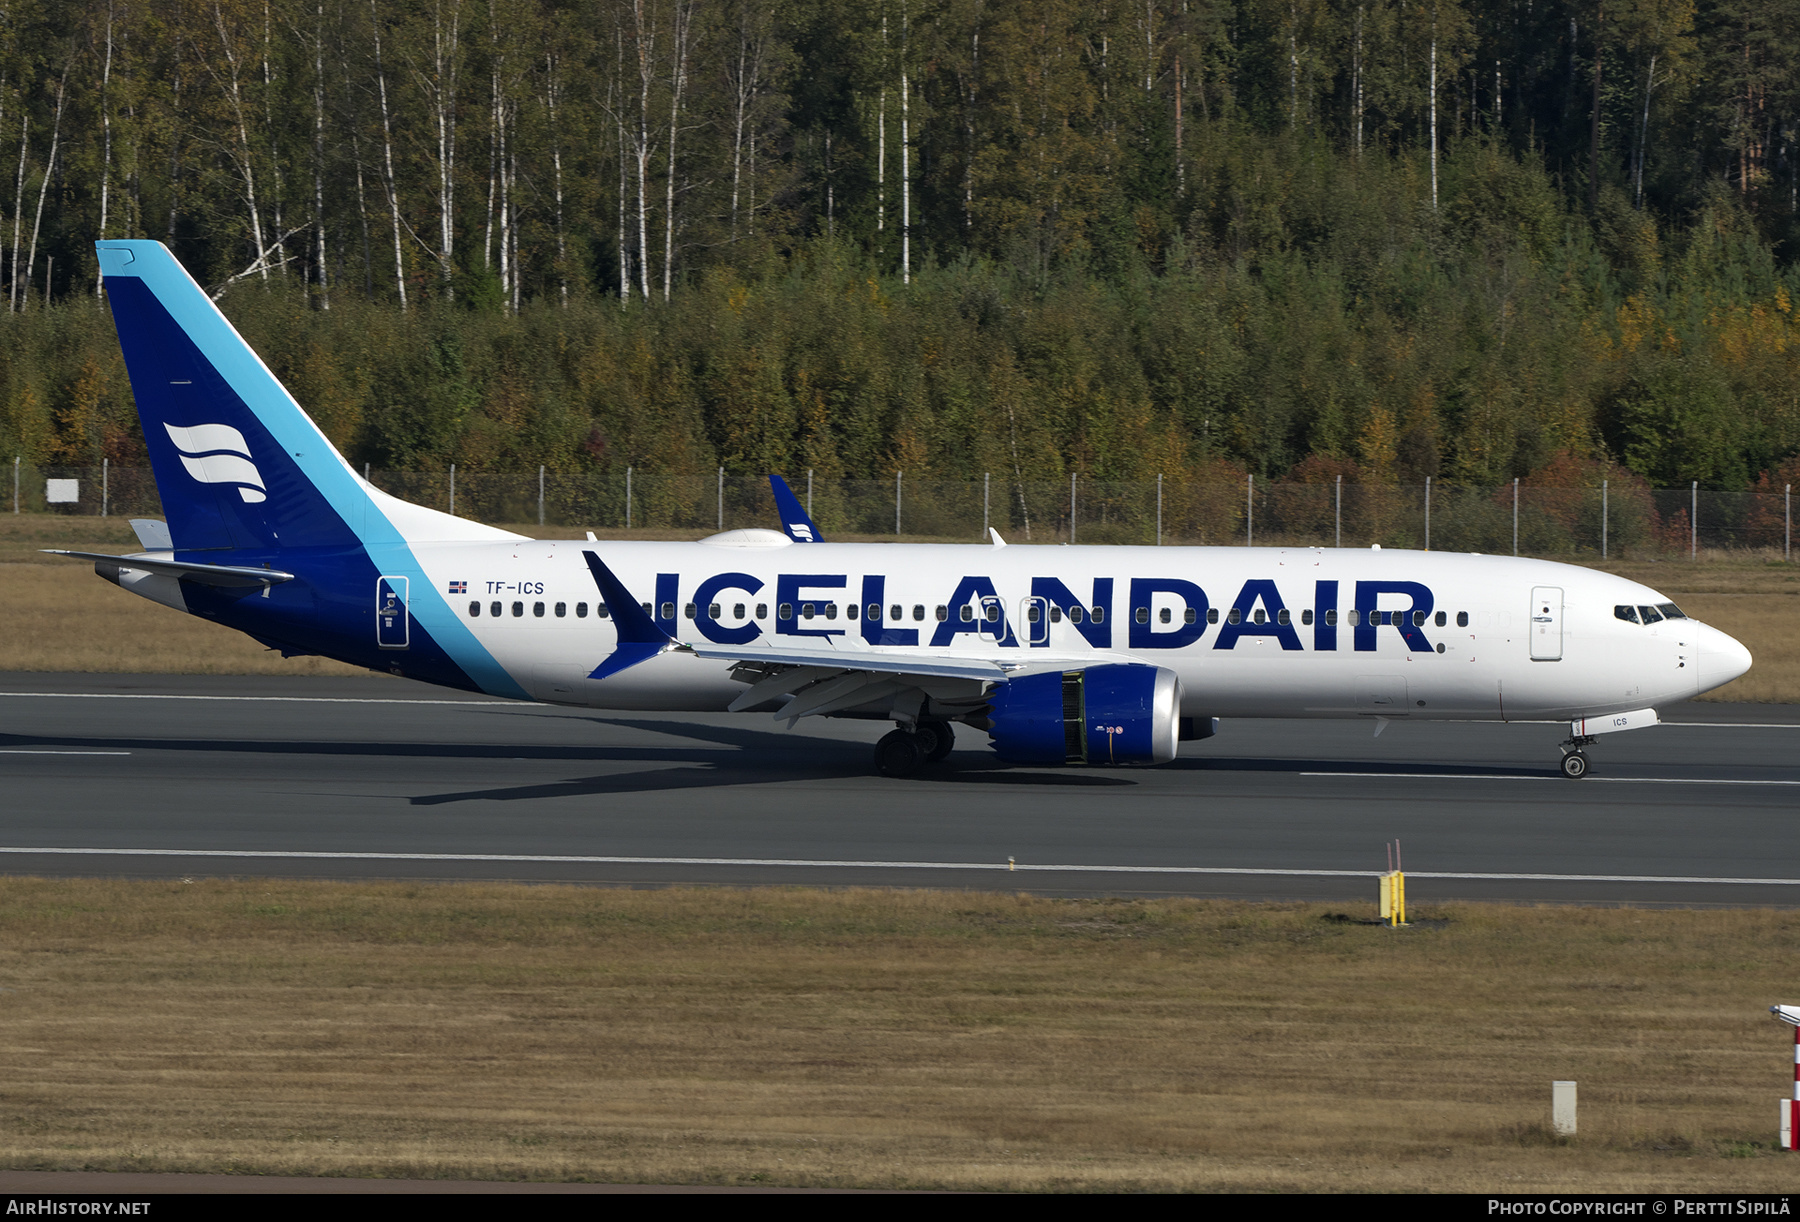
[(238, 463), (794, 520)]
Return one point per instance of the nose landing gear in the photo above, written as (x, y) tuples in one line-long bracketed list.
[(1575, 760)]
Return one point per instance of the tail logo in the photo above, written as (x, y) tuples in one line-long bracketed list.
[(218, 454)]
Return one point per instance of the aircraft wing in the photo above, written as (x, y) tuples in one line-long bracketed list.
[(833, 675)]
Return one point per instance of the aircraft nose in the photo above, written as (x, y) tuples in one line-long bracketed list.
[(1722, 659)]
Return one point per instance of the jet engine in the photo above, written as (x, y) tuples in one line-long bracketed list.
[(1105, 715)]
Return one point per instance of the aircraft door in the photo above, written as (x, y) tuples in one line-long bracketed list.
[(1035, 612), (1546, 624), (993, 618), (391, 618)]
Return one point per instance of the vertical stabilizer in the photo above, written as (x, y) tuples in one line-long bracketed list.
[(239, 464)]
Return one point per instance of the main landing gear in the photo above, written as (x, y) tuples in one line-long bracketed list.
[(1575, 760), (902, 751)]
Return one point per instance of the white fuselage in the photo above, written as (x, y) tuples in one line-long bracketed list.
[(1517, 639)]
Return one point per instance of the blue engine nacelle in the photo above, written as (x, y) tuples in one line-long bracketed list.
[(1102, 715)]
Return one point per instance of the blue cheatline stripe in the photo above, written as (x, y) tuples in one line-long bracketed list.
[(310, 450)]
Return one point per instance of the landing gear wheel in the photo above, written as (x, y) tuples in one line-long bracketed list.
[(1574, 765), (936, 738), (898, 754)]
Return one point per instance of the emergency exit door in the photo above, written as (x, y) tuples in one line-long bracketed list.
[(390, 613), (1546, 624)]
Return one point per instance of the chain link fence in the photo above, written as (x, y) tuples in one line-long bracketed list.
[(1605, 520)]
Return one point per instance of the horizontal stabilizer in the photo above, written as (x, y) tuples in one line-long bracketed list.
[(227, 576)]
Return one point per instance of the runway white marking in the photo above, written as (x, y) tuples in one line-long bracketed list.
[(31, 751), (1508, 776), (998, 867)]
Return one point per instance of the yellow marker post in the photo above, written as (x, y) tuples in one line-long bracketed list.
[(1393, 889)]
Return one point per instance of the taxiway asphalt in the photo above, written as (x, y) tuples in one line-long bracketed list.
[(173, 776)]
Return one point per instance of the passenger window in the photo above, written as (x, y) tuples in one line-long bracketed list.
[(1099, 616), (895, 612), (1282, 617), (1462, 619), (830, 610), (518, 609), (943, 613), (1331, 617), (494, 609), (712, 611), (646, 607), (1165, 615), (875, 612), (1189, 616), (785, 611), (688, 610), (919, 611), (668, 610), (1212, 615), (850, 610), (1442, 619), (474, 610), (1353, 617), (1032, 614), (562, 610), (1259, 616), (1419, 619), (1651, 615), (1236, 617), (737, 611), (806, 611), (537, 609), (991, 613), (1143, 615), (1306, 618), (1670, 611), (762, 610), (1626, 613), (1055, 614), (1076, 615), (967, 612), (581, 611)]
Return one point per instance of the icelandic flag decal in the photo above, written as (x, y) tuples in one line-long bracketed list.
[(459, 587)]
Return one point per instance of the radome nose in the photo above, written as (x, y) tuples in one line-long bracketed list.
[(1722, 658)]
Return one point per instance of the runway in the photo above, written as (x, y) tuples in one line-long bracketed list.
[(186, 776)]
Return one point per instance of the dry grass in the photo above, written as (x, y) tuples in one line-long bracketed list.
[(882, 1038), (64, 618)]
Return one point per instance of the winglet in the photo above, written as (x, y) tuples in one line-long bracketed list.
[(639, 637), (794, 519)]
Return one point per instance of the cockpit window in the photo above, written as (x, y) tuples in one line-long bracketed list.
[(1670, 611), (1651, 615), (1628, 614)]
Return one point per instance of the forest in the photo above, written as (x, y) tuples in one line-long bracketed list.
[(1296, 239)]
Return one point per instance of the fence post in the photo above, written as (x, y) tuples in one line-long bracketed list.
[(1515, 515), (1340, 512), (897, 478), (1072, 477), (540, 494), (1604, 507), (809, 472), (1250, 510), (15, 484), (1787, 514), (1694, 523), (627, 498), (721, 498), (1427, 513), (986, 487), (453, 490), (1159, 509), (365, 473)]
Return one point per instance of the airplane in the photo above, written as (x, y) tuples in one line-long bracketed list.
[(1068, 655)]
